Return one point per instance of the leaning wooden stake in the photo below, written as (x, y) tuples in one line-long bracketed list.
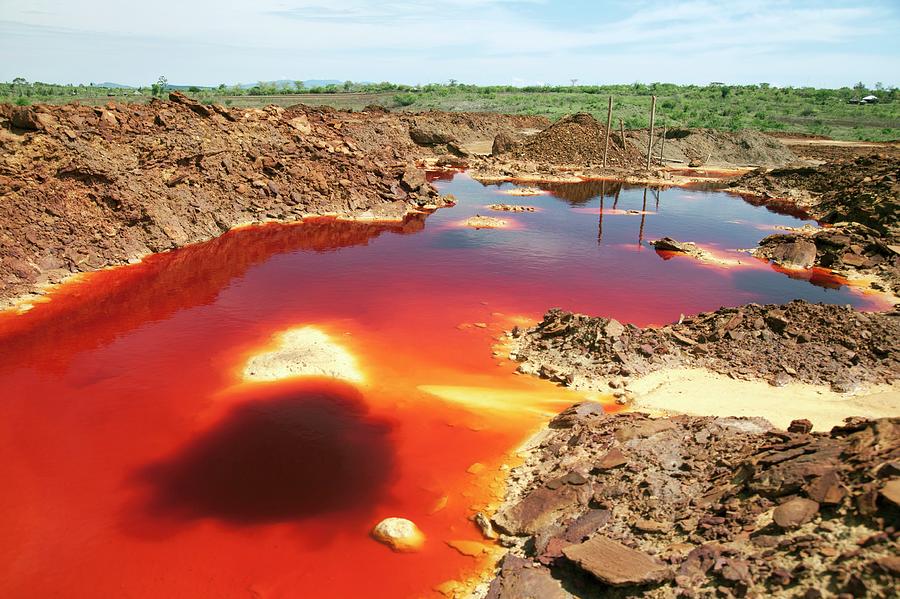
[(650, 137), (662, 144), (608, 125)]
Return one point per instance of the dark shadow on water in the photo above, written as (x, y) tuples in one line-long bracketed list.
[(306, 450)]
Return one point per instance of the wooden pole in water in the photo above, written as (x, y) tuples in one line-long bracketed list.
[(602, 195), (650, 137), (662, 144), (608, 125), (643, 217)]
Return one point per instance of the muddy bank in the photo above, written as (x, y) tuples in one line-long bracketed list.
[(630, 506), (818, 344), (859, 198), (85, 188), (865, 190)]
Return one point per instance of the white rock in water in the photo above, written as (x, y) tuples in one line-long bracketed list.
[(399, 534), (303, 351)]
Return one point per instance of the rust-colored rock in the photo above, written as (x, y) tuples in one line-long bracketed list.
[(615, 564), (795, 512)]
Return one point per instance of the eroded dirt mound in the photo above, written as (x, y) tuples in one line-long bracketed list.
[(577, 139), (629, 506), (798, 341), (864, 190), (458, 132), (708, 147), (87, 187)]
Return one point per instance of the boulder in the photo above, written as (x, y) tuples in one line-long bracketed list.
[(503, 143), (424, 135), (793, 253), (399, 534)]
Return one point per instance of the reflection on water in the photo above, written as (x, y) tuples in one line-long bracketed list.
[(138, 463)]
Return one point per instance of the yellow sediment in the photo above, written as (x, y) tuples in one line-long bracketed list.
[(700, 392)]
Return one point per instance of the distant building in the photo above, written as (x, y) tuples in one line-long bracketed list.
[(719, 83), (869, 100)]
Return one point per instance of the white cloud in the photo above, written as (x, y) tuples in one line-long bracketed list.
[(419, 40)]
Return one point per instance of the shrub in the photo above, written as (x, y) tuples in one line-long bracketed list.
[(20, 101), (405, 99)]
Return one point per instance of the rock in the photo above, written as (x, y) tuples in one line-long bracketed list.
[(521, 579), (615, 564), (399, 534), (413, 179), (179, 98), (795, 512), (503, 144), (613, 329), (612, 459), (797, 253), (668, 244), (573, 414), (826, 489), (485, 526), (801, 426), (586, 525), (429, 136), (643, 430), (25, 118), (301, 124), (854, 260), (485, 222), (891, 491), (541, 507)]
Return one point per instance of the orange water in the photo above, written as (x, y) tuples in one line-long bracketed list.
[(138, 463)]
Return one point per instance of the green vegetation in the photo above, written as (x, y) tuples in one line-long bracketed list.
[(730, 107)]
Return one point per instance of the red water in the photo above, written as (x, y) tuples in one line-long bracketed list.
[(138, 464)]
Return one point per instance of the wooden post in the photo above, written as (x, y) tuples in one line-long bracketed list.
[(622, 132), (643, 217), (608, 125), (662, 144), (602, 195), (650, 137)]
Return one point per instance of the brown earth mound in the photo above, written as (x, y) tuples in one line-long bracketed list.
[(87, 187), (577, 139), (864, 190), (629, 506), (708, 147), (798, 341)]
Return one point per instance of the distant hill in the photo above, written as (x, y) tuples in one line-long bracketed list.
[(290, 83), (109, 85)]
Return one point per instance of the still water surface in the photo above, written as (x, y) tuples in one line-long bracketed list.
[(137, 464)]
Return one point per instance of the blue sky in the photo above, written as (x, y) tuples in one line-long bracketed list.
[(518, 42)]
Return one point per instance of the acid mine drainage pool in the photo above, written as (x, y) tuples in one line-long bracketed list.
[(239, 414)]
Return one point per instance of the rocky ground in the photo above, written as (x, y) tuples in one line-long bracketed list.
[(629, 506), (859, 198), (812, 343)]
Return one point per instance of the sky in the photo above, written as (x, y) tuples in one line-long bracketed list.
[(829, 43)]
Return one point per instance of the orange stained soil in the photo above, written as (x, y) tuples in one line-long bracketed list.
[(139, 463)]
